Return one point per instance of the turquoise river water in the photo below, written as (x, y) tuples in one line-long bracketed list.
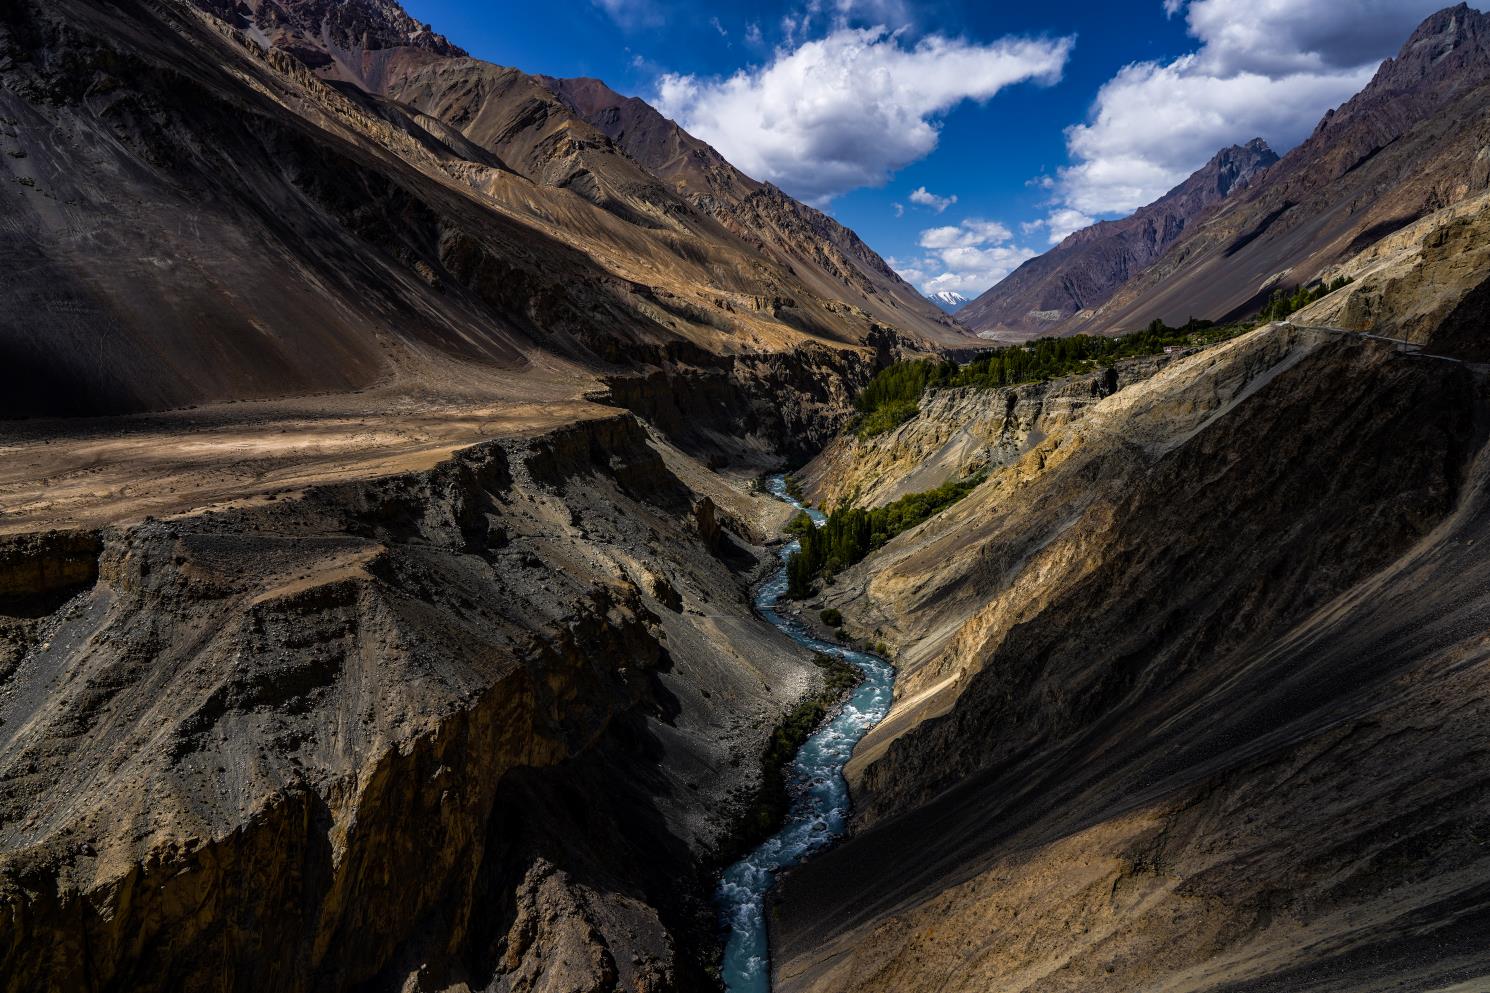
[(819, 795)]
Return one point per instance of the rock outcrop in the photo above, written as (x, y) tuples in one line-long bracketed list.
[(1425, 284), (959, 433), (475, 727), (1084, 270), (1188, 697)]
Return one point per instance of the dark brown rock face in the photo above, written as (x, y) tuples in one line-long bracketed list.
[(1083, 271), (379, 211)]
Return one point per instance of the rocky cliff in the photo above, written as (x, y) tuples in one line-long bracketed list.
[(1083, 271), (373, 736), (1426, 283), (1162, 717), (957, 433)]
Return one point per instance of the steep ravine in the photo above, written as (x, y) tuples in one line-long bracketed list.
[(1191, 698), (371, 736), (818, 810)]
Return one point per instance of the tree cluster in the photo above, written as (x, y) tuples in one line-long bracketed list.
[(1284, 302), (890, 399), (851, 533)]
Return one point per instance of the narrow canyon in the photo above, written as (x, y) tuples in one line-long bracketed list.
[(460, 534)]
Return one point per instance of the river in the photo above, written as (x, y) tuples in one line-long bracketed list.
[(819, 806)]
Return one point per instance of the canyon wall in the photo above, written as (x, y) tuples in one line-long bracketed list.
[(1190, 698), (477, 725)]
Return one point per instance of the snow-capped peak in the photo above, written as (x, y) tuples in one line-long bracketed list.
[(948, 300)]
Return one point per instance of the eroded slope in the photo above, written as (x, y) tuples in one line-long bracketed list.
[(476, 725), (1189, 698)]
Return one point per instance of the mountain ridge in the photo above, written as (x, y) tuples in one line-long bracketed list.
[(1091, 264), (1402, 148)]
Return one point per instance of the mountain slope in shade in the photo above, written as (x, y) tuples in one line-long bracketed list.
[(1190, 697), (1402, 148), (375, 238), (1084, 270)]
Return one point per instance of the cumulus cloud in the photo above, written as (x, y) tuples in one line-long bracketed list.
[(925, 198), (1060, 223), (967, 258), (1263, 67), (850, 108)]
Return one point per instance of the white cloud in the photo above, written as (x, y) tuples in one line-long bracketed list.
[(1267, 68), (631, 13), (714, 23), (920, 195), (753, 33), (848, 109), (969, 233), (899, 209), (968, 257), (1059, 223)]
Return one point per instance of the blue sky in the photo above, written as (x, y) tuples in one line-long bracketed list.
[(1037, 118)]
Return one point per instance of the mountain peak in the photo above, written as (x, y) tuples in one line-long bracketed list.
[(303, 27), (1085, 269), (1448, 53), (1229, 168), (948, 300)]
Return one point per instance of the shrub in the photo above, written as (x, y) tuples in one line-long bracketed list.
[(831, 617), (799, 525), (1284, 303)]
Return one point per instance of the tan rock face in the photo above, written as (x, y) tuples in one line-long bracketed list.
[(1418, 284), (1188, 698), (436, 730), (957, 433)]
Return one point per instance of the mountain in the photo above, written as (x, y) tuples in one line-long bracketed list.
[(948, 300), (376, 562), (823, 252), (381, 533), (1088, 266), (386, 201), (1401, 149), (1190, 688)]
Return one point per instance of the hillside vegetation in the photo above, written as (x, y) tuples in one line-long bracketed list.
[(850, 533), (890, 399)]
